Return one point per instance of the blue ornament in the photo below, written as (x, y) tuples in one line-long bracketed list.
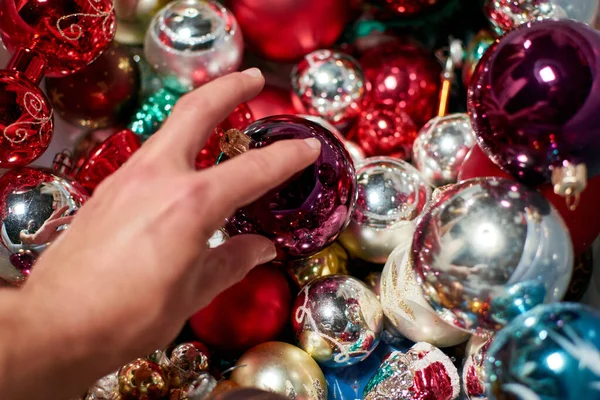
[(550, 353)]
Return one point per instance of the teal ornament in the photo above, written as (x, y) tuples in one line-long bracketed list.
[(153, 112)]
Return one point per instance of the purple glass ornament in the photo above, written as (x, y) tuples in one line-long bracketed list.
[(535, 97), (308, 212)]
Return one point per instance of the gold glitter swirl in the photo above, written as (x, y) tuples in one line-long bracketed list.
[(34, 106), (75, 31)]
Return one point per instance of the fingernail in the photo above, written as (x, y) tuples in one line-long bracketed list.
[(268, 254), (313, 143), (253, 72)]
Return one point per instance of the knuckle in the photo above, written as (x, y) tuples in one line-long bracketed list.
[(191, 102)]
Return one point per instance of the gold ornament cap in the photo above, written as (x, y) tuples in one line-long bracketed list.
[(569, 181), (234, 142)]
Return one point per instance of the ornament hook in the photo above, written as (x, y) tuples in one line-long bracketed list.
[(453, 57), (234, 142), (569, 181)]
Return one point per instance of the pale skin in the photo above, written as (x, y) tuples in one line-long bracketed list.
[(134, 265)]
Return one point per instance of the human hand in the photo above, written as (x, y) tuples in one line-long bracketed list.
[(134, 264), (48, 232)]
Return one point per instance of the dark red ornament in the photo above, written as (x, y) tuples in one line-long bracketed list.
[(409, 7), (309, 211), (253, 311), (100, 95), (271, 101), (403, 74), (287, 30), (88, 142)]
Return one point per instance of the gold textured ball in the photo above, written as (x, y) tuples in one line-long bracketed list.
[(332, 260), (142, 378), (134, 17), (281, 368)]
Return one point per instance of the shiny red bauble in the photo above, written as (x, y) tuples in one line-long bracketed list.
[(100, 95), (403, 74), (583, 222), (287, 30), (271, 101), (253, 311), (67, 34), (409, 7), (26, 121)]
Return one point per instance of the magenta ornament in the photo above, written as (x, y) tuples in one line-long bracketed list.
[(534, 102), (308, 212)]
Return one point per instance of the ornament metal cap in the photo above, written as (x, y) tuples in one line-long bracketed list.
[(234, 142), (569, 181)]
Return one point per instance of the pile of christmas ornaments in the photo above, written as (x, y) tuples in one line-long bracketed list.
[(415, 230)]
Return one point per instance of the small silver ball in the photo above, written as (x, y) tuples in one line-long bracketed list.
[(474, 380), (191, 42), (329, 84), (391, 195), (441, 148)]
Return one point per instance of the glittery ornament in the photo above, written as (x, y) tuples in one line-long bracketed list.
[(480, 257), (475, 50), (391, 195), (106, 388), (308, 212), (153, 112), (423, 373), (332, 260), (281, 368), (142, 379), (441, 147), (187, 362), (551, 353), (474, 376), (406, 308), (329, 84), (337, 320), (191, 42), (35, 207)]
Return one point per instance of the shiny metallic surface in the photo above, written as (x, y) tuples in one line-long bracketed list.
[(338, 320), (488, 250), (391, 195), (133, 18), (474, 377), (329, 84), (332, 260), (35, 207), (356, 152), (191, 42), (441, 147)]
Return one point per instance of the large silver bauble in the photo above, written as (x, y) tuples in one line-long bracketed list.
[(474, 376), (391, 195), (329, 84), (191, 42), (35, 207), (405, 307), (488, 250), (338, 320), (441, 147)]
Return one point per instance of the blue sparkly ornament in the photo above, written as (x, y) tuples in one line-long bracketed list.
[(550, 353)]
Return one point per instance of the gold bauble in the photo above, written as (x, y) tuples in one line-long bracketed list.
[(133, 19), (281, 368), (142, 378), (332, 260)]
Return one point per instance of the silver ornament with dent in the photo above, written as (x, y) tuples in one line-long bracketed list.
[(329, 84), (191, 42), (488, 250), (406, 308), (356, 152), (338, 320), (391, 195), (474, 377), (441, 148)]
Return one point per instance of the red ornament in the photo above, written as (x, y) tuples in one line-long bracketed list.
[(404, 75), (253, 311), (385, 131), (88, 142), (67, 35), (106, 158), (409, 7), (583, 222), (271, 101), (100, 95), (287, 30), (240, 118)]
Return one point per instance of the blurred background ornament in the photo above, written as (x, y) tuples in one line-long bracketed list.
[(133, 19), (549, 353), (35, 207), (248, 394), (532, 103), (100, 95), (423, 372), (153, 112), (251, 312), (271, 101), (441, 147), (142, 379), (309, 211), (337, 319), (409, 7), (506, 15), (373, 282), (106, 388), (274, 366), (187, 362), (583, 267), (391, 195), (474, 377), (287, 30), (475, 50), (406, 308), (332, 260), (328, 84), (191, 42), (481, 259), (87, 141)]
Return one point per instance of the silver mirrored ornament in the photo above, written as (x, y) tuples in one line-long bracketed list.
[(441, 147), (356, 152), (338, 320), (488, 250), (474, 376), (391, 195), (191, 42), (329, 84), (35, 207)]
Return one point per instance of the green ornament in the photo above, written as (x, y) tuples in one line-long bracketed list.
[(153, 112)]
